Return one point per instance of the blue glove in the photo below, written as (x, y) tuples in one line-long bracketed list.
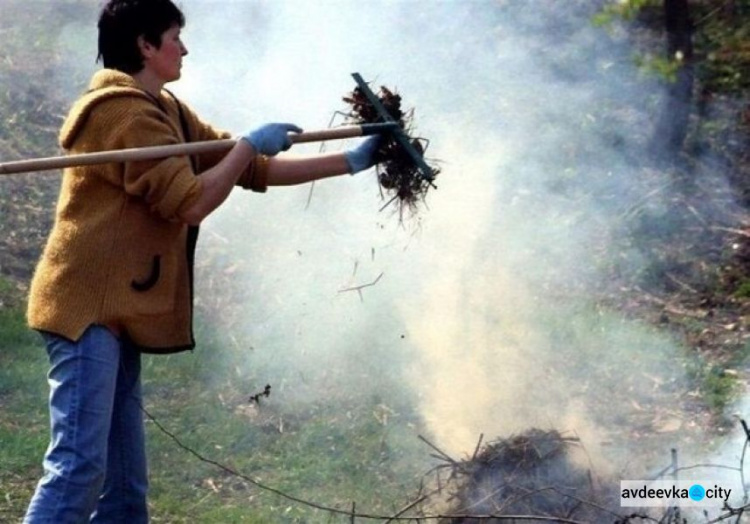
[(363, 156), (271, 139)]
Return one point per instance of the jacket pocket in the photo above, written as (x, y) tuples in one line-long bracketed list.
[(152, 284), (152, 279)]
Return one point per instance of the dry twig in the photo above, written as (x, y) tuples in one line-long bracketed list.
[(359, 289)]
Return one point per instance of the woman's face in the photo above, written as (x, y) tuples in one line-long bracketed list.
[(166, 61)]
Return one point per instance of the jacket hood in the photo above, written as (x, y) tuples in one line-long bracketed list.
[(105, 84)]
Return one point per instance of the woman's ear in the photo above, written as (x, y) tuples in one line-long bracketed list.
[(145, 46)]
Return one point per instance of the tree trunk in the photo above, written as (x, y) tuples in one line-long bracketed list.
[(672, 127)]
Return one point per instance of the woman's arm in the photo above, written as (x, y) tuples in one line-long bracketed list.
[(290, 170), (287, 171), (218, 182)]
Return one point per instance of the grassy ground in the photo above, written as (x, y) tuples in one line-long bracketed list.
[(343, 447), (23, 419), (346, 448)]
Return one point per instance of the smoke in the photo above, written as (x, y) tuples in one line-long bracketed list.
[(529, 110), (484, 312)]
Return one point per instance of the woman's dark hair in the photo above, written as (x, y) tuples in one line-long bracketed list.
[(121, 23)]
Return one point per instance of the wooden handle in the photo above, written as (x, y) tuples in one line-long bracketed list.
[(334, 133), (118, 155), (190, 148)]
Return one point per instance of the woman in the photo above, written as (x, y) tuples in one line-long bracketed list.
[(115, 278)]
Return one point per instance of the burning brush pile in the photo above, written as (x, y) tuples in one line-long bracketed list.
[(402, 172), (538, 473)]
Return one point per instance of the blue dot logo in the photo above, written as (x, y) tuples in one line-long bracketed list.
[(696, 492)]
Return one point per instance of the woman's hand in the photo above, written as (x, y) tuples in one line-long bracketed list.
[(363, 156), (271, 139)]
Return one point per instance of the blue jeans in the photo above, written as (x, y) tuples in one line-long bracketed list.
[(95, 466)]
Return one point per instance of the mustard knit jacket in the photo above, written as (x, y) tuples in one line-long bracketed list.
[(118, 253)]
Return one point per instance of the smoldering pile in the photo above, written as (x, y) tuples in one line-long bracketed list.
[(537, 473), (400, 178)]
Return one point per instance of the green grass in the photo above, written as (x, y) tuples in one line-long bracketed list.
[(717, 379), (23, 420), (334, 451), (631, 362)]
